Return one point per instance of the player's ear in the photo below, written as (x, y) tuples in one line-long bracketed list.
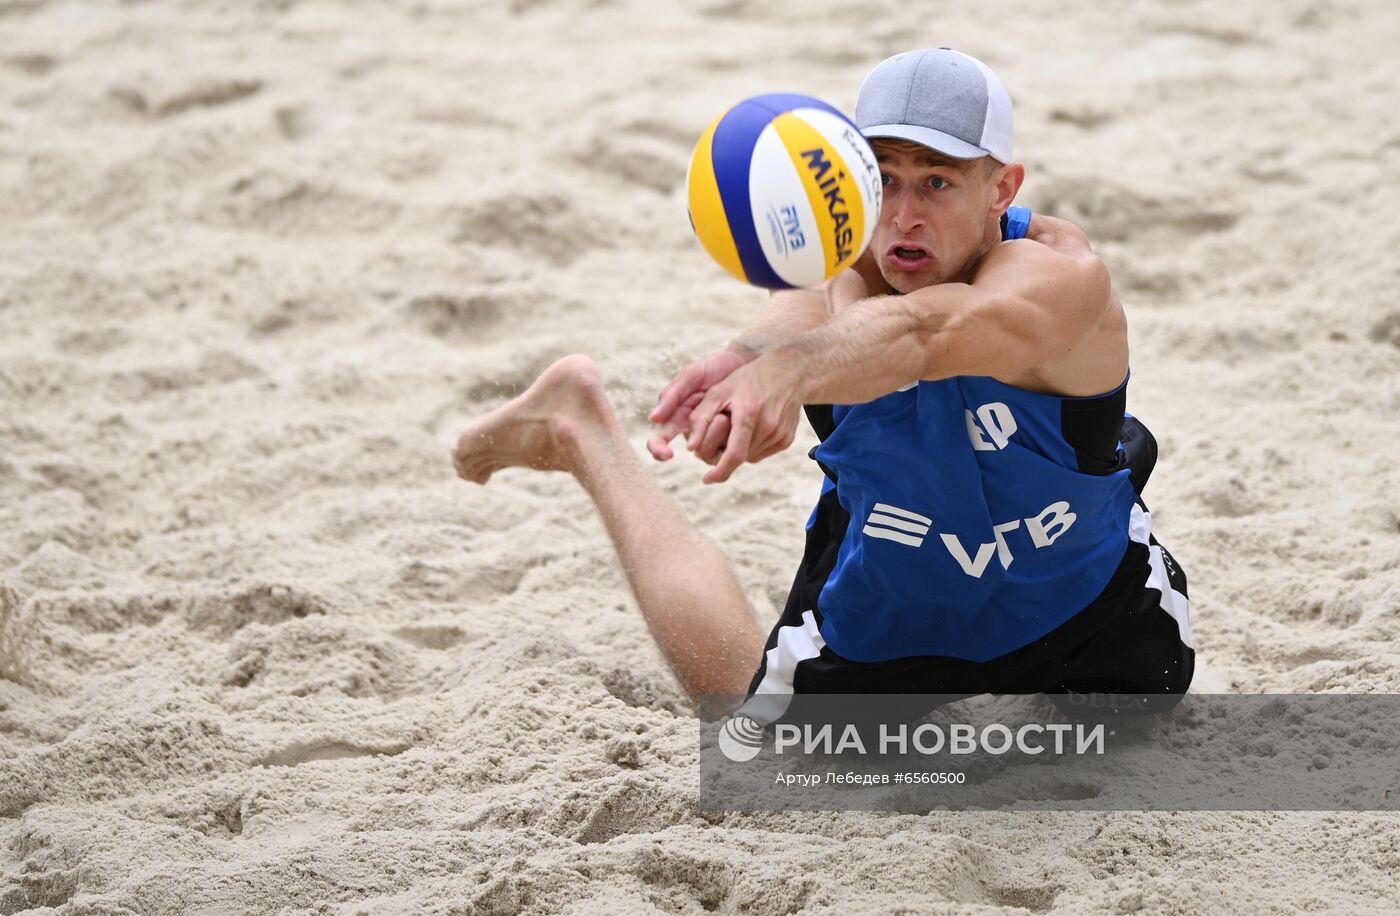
[(1008, 180)]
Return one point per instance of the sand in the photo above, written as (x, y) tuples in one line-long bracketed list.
[(261, 652)]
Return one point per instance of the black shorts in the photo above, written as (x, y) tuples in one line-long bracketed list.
[(1130, 648)]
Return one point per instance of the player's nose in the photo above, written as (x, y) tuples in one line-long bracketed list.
[(905, 213)]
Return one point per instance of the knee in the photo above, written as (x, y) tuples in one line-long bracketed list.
[(1100, 704), (1147, 696)]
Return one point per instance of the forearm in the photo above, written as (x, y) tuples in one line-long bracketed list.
[(876, 346), (788, 315)]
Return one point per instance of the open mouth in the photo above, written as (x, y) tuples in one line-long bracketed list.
[(908, 256)]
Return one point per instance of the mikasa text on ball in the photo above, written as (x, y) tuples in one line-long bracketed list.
[(783, 191)]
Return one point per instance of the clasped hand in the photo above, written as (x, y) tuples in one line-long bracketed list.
[(732, 406)]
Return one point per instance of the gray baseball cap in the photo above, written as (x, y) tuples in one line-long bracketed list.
[(939, 98)]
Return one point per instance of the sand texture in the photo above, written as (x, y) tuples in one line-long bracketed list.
[(260, 651)]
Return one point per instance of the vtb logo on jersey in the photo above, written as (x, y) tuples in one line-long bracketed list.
[(891, 523)]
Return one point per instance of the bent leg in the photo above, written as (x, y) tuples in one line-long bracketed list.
[(687, 590), (1144, 661)]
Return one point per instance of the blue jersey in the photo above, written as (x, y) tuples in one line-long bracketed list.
[(982, 516)]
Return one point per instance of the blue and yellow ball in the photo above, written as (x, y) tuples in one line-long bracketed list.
[(783, 191)]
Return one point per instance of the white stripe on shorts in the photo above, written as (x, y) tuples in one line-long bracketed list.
[(1173, 602), (795, 643)]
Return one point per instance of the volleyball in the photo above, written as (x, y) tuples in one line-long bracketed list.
[(783, 191)]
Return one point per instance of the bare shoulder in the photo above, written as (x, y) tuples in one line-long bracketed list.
[(1053, 251), (1059, 235), (1063, 291)]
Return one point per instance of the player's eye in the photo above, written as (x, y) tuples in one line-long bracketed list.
[(937, 183), (885, 179)]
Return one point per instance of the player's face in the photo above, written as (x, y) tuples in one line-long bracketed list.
[(934, 220)]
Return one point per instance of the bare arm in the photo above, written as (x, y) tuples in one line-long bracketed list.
[(788, 316), (996, 325), (790, 313), (793, 313), (1028, 304)]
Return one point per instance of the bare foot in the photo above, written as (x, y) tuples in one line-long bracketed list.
[(541, 428)]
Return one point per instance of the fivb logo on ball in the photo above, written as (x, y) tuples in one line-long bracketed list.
[(783, 191)]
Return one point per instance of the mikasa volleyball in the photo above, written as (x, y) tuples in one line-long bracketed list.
[(783, 191)]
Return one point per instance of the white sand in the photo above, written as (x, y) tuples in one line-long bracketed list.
[(259, 651)]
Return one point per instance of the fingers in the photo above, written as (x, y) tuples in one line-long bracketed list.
[(734, 420), (716, 436), (673, 395), (770, 445), (736, 450), (659, 444), (700, 417)]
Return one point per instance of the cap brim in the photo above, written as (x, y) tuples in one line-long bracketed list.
[(935, 140)]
